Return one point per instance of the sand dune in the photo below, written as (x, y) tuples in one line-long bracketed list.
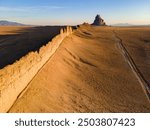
[(88, 74)]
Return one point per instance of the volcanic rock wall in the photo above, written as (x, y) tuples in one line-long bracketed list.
[(14, 78), (99, 21)]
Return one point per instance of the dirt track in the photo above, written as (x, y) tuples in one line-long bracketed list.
[(136, 71)]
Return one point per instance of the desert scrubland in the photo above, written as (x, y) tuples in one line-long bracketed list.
[(89, 73)]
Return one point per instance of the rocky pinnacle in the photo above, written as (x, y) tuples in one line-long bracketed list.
[(99, 21)]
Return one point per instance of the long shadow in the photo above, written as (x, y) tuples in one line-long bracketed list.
[(14, 46)]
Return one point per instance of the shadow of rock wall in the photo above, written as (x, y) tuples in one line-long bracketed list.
[(15, 78)]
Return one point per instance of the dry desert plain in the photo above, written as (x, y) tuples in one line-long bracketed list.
[(95, 69)]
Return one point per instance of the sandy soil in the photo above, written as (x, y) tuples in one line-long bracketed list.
[(137, 42), (86, 74), (16, 42), (12, 29)]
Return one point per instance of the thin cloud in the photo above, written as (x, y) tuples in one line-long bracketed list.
[(28, 9), (7, 9)]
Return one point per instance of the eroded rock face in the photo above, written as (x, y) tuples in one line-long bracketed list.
[(14, 78), (99, 21)]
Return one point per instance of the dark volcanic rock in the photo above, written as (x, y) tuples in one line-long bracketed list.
[(99, 21)]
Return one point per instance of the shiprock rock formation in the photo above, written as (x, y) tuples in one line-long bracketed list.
[(99, 21)]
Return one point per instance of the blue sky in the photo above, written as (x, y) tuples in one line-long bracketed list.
[(60, 12)]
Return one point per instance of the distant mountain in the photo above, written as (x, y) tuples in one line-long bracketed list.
[(122, 24), (9, 23)]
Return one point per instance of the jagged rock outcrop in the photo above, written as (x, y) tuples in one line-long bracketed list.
[(99, 21), (14, 78)]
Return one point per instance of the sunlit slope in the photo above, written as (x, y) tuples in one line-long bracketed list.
[(86, 74)]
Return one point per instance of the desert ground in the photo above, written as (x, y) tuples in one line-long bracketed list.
[(137, 42), (96, 69), (17, 41)]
